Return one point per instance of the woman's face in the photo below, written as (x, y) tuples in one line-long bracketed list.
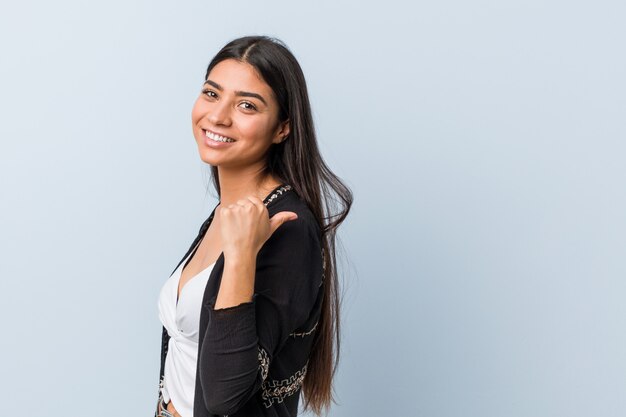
[(237, 104)]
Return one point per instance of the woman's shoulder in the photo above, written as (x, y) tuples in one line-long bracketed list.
[(305, 226), (291, 201)]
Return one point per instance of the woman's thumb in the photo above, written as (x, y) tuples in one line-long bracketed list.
[(281, 218)]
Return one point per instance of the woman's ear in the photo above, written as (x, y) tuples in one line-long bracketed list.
[(283, 131)]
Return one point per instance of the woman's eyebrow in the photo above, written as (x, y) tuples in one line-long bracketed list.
[(237, 93)]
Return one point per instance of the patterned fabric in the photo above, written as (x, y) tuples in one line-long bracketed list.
[(276, 390), (264, 362), (303, 334)]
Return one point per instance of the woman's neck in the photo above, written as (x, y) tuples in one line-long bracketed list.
[(239, 185)]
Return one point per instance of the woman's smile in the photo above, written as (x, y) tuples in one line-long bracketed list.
[(216, 136), (216, 141)]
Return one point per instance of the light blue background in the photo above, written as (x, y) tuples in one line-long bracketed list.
[(483, 260)]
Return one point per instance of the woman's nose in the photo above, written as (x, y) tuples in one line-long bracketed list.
[(219, 114)]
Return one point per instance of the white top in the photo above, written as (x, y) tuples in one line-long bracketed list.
[(181, 318)]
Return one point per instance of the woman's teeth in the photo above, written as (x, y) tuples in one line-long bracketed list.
[(217, 138)]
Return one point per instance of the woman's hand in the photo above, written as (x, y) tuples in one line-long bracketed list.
[(246, 226)]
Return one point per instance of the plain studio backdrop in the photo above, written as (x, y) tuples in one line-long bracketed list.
[(483, 261)]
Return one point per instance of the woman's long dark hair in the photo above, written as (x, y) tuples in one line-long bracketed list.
[(297, 161)]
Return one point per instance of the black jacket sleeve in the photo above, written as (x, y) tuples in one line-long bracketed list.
[(241, 341)]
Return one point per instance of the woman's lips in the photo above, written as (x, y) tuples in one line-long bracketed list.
[(214, 143)]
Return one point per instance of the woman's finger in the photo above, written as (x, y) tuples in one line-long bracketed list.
[(281, 218)]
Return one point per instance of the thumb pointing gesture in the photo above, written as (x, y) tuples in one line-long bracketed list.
[(280, 218)]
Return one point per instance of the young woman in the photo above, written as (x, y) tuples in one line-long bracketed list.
[(251, 313)]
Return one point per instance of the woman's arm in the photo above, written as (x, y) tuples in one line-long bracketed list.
[(241, 340), (237, 285)]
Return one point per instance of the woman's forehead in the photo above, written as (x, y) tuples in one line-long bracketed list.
[(233, 75)]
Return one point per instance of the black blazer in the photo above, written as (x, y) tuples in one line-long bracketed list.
[(252, 358)]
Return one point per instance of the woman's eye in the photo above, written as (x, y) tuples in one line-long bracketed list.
[(252, 107), (208, 92)]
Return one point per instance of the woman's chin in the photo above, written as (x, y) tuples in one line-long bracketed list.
[(207, 157), (208, 160)]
